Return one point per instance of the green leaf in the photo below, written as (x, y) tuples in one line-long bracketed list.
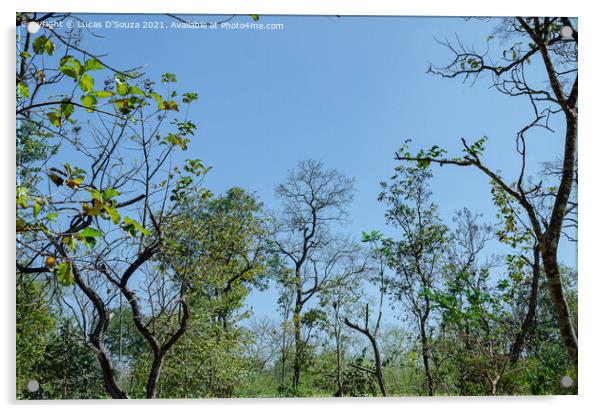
[(74, 183), (22, 90), (113, 214), (86, 83), (171, 105), (109, 193), (66, 109), (64, 274), (71, 67), (21, 225), (39, 44), (168, 78), (423, 163), (503, 284), (255, 17), (177, 140), (22, 196), (132, 227), (92, 64), (89, 235), (95, 193), (51, 217), (91, 232), (36, 209), (122, 88), (88, 101), (54, 118), (101, 94), (159, 99), (69, 71), (189, 97), (136, 90), (71, 242), (49, 47)]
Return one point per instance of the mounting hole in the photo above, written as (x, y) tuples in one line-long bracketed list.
[(566, 382), (33, 27), (32, 386), (566, 32)]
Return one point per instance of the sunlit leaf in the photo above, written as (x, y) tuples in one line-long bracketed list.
[(86, 83), (64, 273)]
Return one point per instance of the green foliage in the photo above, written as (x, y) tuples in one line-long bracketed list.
[(42, 44), (207, 362), (133, 227), (34, 322), (189, 97), (168, 78), (92, 65), (416, 254), (359, 383), (86, 83), (89, 101), (187, 185), (22, 90), (64, 271), (68, 370), (71, 67), (215, 249)]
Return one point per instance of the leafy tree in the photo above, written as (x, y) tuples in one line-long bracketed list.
[(69, 370), (81, 219), (416, 257), (477, 325), (531, 38), (35, 323), (214, 247)]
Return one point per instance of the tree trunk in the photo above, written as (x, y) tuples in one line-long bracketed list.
[(561, 306), (97, 336), (337, 337), (297, 330), (549, 250), (153, 376), (284, 328), (378, 366), (549, 241), (494, 383), (111, 385), (430, 385), (527, 326), (378, 372)]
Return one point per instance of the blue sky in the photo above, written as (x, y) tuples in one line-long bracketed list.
[(347, 91)]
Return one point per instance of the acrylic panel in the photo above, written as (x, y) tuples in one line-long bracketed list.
[(245, 206)]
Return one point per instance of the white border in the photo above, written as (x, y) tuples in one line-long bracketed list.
[(589, 192)]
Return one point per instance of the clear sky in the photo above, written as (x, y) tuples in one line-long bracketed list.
[(347, 91)]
